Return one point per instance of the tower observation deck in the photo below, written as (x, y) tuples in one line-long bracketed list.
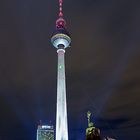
[(61, 40)]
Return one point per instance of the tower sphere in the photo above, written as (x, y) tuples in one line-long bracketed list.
[(60, 23), (61, 36)]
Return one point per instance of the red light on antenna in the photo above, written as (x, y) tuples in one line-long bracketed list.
[(60, 14)]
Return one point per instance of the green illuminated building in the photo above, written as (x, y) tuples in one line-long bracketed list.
[(45, 132)]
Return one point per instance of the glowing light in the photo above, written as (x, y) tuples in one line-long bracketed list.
[(60, 66), (46, 127)]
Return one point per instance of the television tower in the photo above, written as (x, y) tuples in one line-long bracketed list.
[(61, 40)]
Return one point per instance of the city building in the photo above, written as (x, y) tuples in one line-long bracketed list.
[(45, 132), (61, 40)]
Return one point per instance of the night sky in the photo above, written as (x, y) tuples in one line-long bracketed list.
[(102, 67)]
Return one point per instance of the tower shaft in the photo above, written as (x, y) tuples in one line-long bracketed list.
[(61, 114)]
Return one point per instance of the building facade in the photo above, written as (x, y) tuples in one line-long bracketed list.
[(45, 132)]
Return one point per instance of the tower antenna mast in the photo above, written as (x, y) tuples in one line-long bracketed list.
[(60, 8)]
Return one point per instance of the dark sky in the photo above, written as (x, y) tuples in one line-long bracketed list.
[(102, 67)]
